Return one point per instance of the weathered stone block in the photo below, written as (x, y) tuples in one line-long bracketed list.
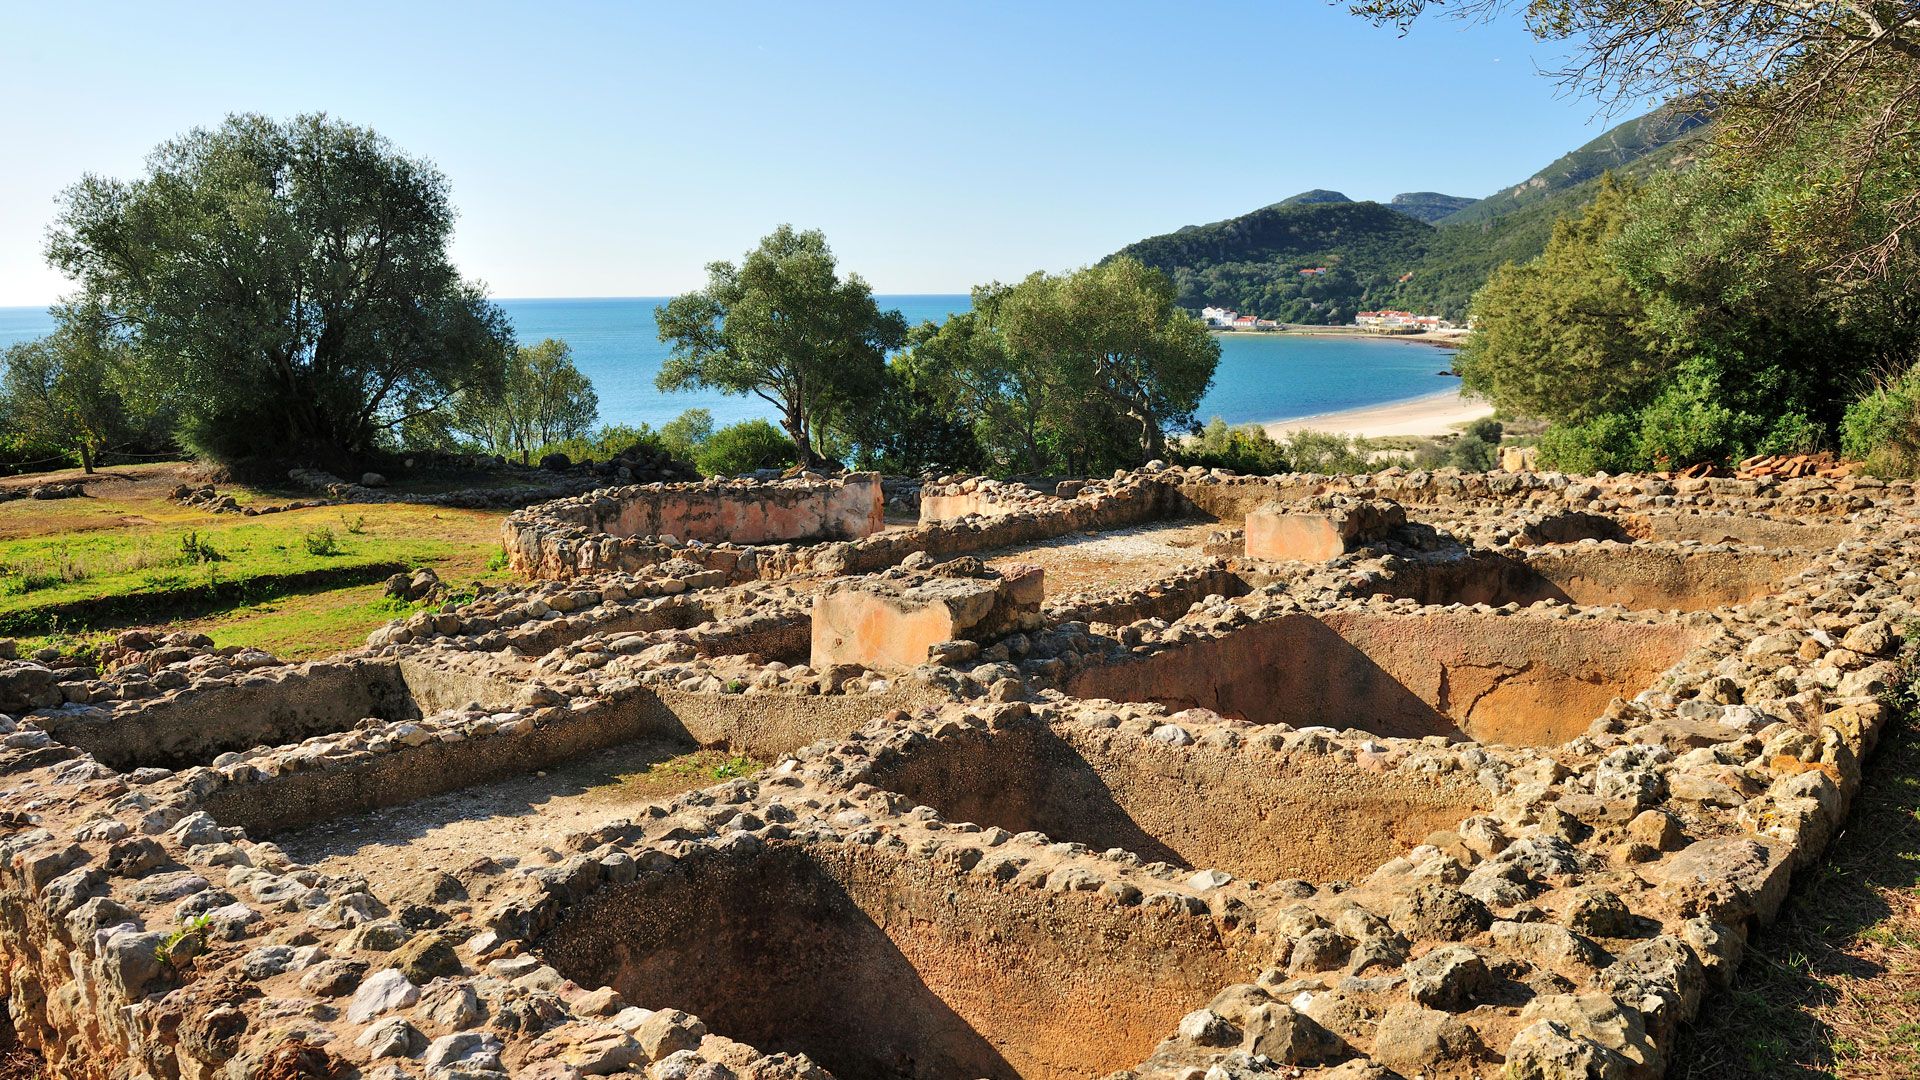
[(892, 620), (1281, 533)]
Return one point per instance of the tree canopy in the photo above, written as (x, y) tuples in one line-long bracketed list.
[(1848, 70), (539, 398), (286, 285), (783, 326), (1073, 372), (67, 392)]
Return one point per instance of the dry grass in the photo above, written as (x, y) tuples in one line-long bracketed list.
[(1833, 988), (19, 1064)]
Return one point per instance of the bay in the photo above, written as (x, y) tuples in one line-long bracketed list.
[(1261, 377)]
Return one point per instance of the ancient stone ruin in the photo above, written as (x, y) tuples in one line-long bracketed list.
[(1177, 774)]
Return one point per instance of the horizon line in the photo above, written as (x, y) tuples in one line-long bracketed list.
[(512, 299)]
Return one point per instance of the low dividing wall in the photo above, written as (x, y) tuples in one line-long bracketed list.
[(353, 783), (1660, 577), (787, 511)]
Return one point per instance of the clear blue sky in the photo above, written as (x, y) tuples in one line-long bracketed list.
[(612, 149)]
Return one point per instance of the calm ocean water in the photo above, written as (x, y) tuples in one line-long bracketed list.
[(1260, 377)]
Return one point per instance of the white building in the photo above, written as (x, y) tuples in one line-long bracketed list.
[(1218, 316)]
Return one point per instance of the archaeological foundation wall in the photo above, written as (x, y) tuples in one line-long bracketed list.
[(1501, 785)]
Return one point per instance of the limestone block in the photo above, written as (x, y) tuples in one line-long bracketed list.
[(892, 620), (1281, 533)]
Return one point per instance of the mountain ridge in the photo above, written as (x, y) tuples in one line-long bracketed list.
[(1424, 251)]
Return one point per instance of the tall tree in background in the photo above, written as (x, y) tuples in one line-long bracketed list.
[(540, 398), (1117, 342), (784, 326), (286, 284), (1564, 337), (1073, 372), (66, 391), (1011, 400)]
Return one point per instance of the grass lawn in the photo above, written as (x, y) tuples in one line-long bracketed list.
[(299, 584), (1833, 988)]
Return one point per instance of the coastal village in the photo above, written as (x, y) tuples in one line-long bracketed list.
[(1387, 321)]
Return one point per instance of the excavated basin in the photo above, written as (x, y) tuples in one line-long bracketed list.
[(1262, 815), (1526, 680), (1660, 578), (878, 964)]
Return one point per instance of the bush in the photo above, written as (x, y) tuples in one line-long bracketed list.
[(683, 435), (1882, 428), (744, 447), (1324, 452), (1245, 449), (1607, 443), (322, 542)]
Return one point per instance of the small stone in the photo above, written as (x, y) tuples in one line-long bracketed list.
[(1598, 912), (392, 1037), (667, 1031), (1451, 977), (1548, 1050), (382, 992)]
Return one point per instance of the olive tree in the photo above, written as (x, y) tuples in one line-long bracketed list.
[(785, 327), (286, 284), (540, 398), (65, 392)]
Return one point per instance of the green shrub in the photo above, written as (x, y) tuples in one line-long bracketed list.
[(1487, 430), (1244, 449), (1882, 428), (1607, 443), (1689, 422), (498, 560), (195, 550), (744, 447), (684, 434), (1325, 452), (322, 542)]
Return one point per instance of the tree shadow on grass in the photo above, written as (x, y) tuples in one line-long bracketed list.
[(1832, 989)]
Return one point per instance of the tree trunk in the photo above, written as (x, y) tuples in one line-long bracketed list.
[(86, 458), (1153, 440), (795, 422)]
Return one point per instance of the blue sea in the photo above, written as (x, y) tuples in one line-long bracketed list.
[(1260, 378)]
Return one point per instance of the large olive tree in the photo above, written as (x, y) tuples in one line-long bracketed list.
[(286, 284)]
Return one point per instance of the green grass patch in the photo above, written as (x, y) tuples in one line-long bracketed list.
[(93, 578)]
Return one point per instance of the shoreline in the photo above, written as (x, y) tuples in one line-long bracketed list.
[(1445, 339), (1422, 417)]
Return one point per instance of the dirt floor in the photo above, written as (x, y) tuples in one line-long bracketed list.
[(524, 818), (1122, 558)]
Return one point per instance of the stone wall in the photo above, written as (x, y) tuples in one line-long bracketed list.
[(1463, 901), (733, 512)]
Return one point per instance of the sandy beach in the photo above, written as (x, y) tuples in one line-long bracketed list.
[(1435, 414)]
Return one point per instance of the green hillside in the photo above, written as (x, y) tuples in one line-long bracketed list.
[(1317, 195), (1409, 255), (1254, 262), (1430, 206), (1619, 149)]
